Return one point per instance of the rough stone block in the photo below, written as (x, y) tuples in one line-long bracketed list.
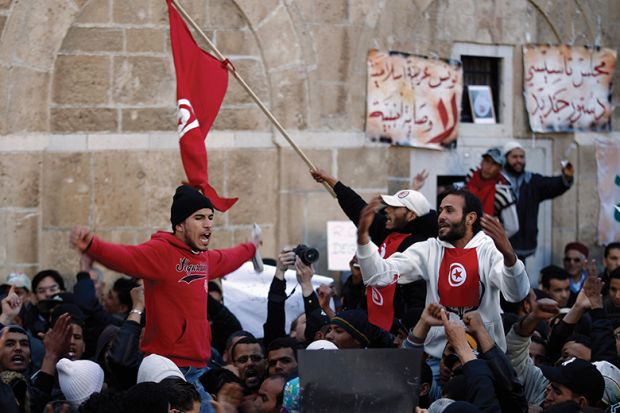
[(363, 167), (143, 80), (96, 11), (399, 162), (2, 23), (331, 11), (224, 15), (36, 33), (292, 223), (221, 238), (21, 173), (81, 79), (290, 98), (22, 242), (120, 196), (130, 12), (333, 102), (253, 178), (29, 97), (269, 249), (57, 254), (237, 42), (65, 193), (253, 72), (242, 119), (5, 4), (164, 172), (294, 175), (255, 11), (278, 31), (84, 120), (195, 8), (136, 120), (145, 40), (587, 162), (93, 39), (333, 45)]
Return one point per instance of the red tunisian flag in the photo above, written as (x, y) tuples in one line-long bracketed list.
[(201, 85)]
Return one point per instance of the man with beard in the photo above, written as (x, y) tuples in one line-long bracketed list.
[(531, 189), (407, 218), (465, 267)]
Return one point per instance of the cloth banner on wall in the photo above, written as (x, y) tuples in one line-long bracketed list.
[(568, 88), (413, 100), (608, 176)]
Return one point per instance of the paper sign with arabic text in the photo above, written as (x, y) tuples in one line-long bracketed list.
[(413, 100), (568, 88)]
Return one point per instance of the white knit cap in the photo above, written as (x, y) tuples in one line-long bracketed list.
[(510, 145), (156, 368), (79, 379), (611, 374), (322, 345), (410, 199)]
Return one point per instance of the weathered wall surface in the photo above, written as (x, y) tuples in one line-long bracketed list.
[(87, 100)]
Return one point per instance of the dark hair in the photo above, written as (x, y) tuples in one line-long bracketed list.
[(510, 307), (146, 397), (245, 340), (611, 246), (615, 274), (539, 340), (238, 333), (580, 339), (472, 204), (540, 294), (295, 321), (48, 273), (123, 287), (426, 374), (181, 394), (108, 400), (284, 342), (552, 272)]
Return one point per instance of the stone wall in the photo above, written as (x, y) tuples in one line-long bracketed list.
[(87, 112)]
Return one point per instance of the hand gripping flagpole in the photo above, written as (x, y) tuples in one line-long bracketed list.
[(247, 88)]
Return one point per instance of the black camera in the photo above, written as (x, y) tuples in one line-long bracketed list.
[(306, 254)]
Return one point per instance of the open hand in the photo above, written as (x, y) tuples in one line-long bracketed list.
[(494, 229), (418, 181)]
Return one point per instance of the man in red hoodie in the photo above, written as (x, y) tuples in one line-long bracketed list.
[(176, 268)]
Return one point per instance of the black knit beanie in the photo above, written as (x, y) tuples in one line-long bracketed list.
[(185, 202)]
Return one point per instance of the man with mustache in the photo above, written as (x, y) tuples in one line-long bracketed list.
[(465, 267)]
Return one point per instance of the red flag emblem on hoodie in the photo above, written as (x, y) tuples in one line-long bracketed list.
[(459, 280)]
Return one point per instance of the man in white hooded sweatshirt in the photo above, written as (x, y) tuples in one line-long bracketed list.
[(465, 267)]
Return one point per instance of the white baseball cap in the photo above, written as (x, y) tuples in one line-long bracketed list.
[(410, 199), (19, 280)]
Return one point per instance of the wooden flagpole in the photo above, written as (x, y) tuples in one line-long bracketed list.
[(247, 88)]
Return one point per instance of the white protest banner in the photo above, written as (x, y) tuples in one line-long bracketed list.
[(608, 176), (568, 88), (341, 244), (245, 294)]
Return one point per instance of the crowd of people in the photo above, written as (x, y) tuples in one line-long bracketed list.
[(450, 283)]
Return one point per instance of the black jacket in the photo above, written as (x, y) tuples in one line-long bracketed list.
[(534, 190)]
